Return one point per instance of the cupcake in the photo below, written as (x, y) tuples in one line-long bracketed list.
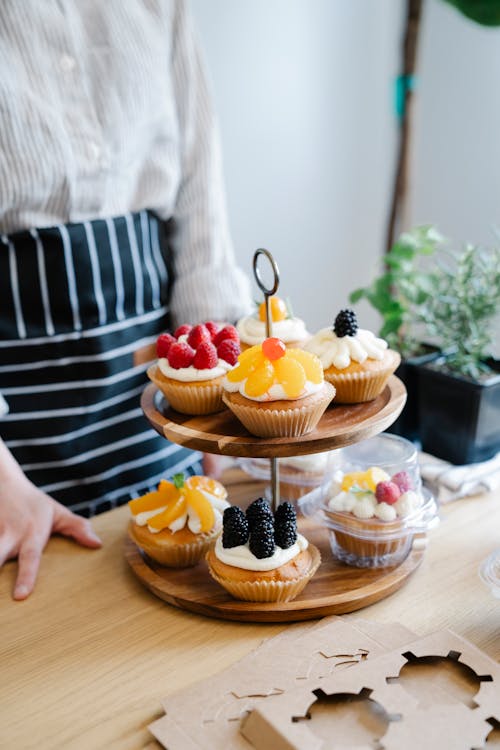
[(191, 365), (355, 361), (260, 557), (291, 330), (371, 516), (178, 522), (277, 392)]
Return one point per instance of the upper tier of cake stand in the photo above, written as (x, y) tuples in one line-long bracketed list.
[(222, 434)]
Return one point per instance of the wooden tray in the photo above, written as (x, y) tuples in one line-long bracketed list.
[(334, 589), (222, 433)]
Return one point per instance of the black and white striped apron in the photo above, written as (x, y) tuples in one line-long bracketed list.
[(81, 306)]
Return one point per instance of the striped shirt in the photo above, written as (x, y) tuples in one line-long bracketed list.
[(104, 110)]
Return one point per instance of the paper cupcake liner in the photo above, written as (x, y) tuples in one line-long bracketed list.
[(357, 387), (190, 399), (269, 591), (178, 555), (291, 422)]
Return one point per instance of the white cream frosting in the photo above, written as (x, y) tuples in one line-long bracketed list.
[(275, 392), (364, 505), (241, 557), (316, 462), (340, 351), (191, 517), (191, 374), (252, 330)]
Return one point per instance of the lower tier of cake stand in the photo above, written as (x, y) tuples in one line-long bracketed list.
[(334, 589)]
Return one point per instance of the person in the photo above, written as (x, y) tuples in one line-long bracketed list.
[(113, 229)]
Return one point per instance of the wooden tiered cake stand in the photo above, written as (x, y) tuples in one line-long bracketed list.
[(335, 588)]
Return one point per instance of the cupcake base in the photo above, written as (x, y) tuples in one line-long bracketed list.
[(180, 550), (359, 383), (199, 397), (279, 585), (280, 418), (365, 544)]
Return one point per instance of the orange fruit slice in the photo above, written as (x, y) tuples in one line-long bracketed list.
[(311, 364), (207, 484), (171, 513), (277, 309), (153, 500), (202, 507), (260, 380), (290, 374)]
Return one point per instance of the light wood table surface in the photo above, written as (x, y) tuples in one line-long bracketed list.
[(86, 659)]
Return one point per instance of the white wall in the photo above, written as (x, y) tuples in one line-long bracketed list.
[(303, 90)]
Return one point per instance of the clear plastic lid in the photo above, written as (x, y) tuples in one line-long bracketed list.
[(489, 573), (391, 453)]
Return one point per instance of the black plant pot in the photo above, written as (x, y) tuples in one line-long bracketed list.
[(407, 425), (459, 418)]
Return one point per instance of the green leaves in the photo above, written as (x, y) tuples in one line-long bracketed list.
[(402, 287), (484, 12)]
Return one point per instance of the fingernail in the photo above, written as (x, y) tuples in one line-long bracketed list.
[(21, 592)]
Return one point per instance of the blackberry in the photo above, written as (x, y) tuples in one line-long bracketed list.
[(285, 534), (285, 512), (258, 511), (345, 323), (235, 529), (262, 539)]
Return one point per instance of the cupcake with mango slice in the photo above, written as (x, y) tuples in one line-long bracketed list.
[(277, 392), (178, 522), (291, 330)]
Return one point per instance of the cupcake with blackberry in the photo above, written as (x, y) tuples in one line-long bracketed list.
[(260, 557), (291, 330), (191, 365), (354, 360)]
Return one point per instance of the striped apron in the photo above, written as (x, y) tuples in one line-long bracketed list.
[(81, 306)]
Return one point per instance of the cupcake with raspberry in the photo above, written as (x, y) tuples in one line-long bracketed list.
[(354, 360), (285, 326), (260, 557), (177, 523), (277, 392), (191, 365), (372, 516)]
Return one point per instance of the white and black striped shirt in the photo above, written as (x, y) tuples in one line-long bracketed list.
[(104, 110)]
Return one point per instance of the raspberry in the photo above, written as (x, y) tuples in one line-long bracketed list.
[(228, 332), (197, 334), (403, 480), (212, 328), (259, 511), (206, 356), (182, 330), (229, 350), (180, 355), (387, 492), (163, 344), (345, 324), (235, 531), (262, 539)]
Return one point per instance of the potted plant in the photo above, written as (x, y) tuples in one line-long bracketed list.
[(398, 294), (459, 394)]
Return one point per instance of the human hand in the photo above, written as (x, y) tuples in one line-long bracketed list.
[(28, 517)]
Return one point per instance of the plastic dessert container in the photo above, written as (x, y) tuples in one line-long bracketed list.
[(371, 542), (298, 475)]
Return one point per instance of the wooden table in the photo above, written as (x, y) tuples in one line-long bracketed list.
[(85, 660)]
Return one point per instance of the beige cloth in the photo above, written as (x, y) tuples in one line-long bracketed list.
[(450, 482)]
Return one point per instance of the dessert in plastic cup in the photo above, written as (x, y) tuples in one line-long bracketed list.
[(373, 516), (354, 360), (277, 392), (298, 475), (176, 524), (191, 365), (291, 330), (260, 557)]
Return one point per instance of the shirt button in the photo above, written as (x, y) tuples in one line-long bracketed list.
[(67, 63)]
